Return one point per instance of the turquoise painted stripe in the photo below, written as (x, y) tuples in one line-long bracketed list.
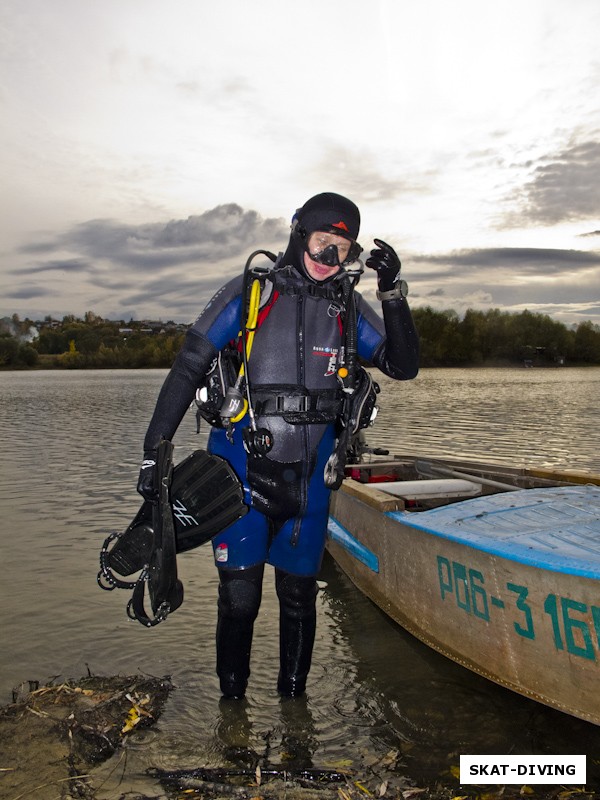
[(337, 533)]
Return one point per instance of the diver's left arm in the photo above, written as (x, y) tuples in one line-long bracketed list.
[(391, 344)]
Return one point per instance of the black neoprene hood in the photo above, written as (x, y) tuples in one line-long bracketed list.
[(323, 212), (330, 212)]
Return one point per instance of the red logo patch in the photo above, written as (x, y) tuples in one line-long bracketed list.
[(221, 553), (341, 225)]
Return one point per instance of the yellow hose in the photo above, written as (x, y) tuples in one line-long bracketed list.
[(250, 330)]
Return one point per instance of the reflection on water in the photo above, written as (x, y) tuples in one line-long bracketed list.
[(72, 447)]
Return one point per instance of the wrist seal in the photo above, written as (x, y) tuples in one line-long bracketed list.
[(399, 291)]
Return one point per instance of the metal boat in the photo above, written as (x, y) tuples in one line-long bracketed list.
[(497, 568)]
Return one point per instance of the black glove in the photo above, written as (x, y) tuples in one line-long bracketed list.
[(146, 482), (387, 265)]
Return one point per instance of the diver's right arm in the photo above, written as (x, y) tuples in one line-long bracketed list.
[(179, 388), (218, 324)]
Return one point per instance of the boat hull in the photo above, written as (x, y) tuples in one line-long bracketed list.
[(525, 626)]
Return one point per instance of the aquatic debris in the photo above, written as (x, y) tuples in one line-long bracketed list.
[(266, 782), (312, 776), (55, 733), (137, 712)]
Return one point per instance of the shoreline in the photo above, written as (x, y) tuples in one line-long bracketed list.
[(55, 739)]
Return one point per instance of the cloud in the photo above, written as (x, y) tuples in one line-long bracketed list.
[(175, 265), (223, 232), (29, 292), (173, 268), (361, 175), (556, 282), (565, 187), (72, 265), (521, 260)]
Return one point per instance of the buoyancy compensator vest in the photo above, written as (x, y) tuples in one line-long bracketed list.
[(352, 405)]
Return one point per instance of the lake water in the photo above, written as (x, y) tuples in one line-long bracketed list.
[(71, 448)]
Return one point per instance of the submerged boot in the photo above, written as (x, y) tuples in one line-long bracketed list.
[(297, 625), (239, 601)]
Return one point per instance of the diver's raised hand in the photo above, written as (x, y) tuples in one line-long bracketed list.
[(386, 264)]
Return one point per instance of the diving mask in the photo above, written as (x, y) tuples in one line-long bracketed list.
[(332, 250)]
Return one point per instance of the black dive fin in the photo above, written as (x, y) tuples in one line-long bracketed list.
[(165, 590), (206, 497), (197, 500)]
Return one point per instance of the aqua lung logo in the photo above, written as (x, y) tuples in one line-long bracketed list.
[(331, 354), (181, 514)]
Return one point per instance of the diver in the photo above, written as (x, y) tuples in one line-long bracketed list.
[(300, 376)]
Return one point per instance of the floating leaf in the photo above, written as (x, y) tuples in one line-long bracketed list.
[(131, 721), (455, 772)]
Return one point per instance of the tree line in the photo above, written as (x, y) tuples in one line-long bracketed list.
[(480, 338), (497, 337)]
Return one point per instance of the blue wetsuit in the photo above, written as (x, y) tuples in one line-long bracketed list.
[(296, 396)]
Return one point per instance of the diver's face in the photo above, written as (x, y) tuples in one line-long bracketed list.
[(318, 243), (319, 272)]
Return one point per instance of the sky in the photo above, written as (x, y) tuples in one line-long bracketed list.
[(147, 148)]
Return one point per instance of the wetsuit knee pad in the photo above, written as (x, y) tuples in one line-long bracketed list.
[(240, 593), (297, 594)]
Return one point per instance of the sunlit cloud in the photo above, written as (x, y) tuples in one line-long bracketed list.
[(564, 186)]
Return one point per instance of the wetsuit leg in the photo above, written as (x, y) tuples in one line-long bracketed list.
[(240, 593), (297, 625)]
